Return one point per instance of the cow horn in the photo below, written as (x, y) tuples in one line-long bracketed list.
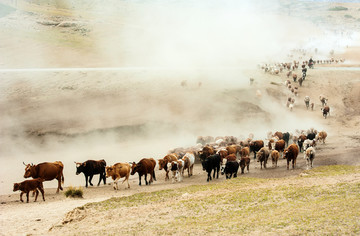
[(24, 163), (32, 164)]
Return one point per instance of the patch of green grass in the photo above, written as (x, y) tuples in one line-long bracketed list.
[(348, 16), (234, 206), (332, 170), (338, 8), (74, 192)]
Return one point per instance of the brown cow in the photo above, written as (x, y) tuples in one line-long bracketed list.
[(46, 171), (231, 149), (280, 146), (278, 134), (143, 167), (321, 136), (245, 152), (117, 171), (164, 161), (30, 185), (206, 151), (275, 157), (262, 156), (290, 154), (326, 111), (244, 162), (223, 153)]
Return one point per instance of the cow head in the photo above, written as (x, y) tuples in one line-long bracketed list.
[(109, 170), (29, 170), (134, 168), (286, 151), (80, 167), (16, 187), (162, 163)]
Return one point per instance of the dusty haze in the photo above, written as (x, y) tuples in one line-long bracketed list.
[(140, 108)]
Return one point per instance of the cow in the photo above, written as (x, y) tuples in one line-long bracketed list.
[(91, 168), (232, 149), (117, 171), (143, 167), (325, 111), (311, 135), (274, 157), (244, 162), (278, 134), (301, 140), (290, 154), (262, 156), (279, 146), (294, 77), (30, 185), (309, 155), (177, 170), (189, 160), (211, 163), (323, 100), (255, 146), (321, 136), (307, 102), (231, 168), (163, 164), (286, 138), (308, 143), (245, 152), (46, 171), (206, 151)]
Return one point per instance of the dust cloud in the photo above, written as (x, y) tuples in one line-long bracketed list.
[(184, 74)]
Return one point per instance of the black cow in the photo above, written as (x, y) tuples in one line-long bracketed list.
[(91, 168), (255, 146), (212, 163), (231, 167), (286, 138), (311, 136)]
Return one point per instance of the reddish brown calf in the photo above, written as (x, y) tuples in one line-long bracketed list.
[(30, 185)]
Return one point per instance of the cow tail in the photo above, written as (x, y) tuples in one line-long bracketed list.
[(62, 178), (154, 175)]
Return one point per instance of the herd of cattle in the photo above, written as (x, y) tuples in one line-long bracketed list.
[(221, 153), (293, 86)]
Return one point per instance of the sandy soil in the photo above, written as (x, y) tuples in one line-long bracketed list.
[(129, 113)]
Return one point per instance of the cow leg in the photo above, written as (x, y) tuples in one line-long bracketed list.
[(90, 178), (287, 164), (36, 194), (86, 181), (21, 194), (167, 175), (42, 192), (146, 182), (115, 184), (126, 179), (217, 171), (247, 166), (59, 184), (294, 163), (151, 177), (27, 197), (139, 179), (104, 178), (100, 178)]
